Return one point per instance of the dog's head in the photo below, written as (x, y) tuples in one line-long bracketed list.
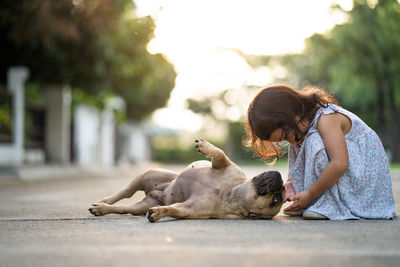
[(264, 198)]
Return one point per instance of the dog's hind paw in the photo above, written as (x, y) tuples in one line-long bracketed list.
[(153, 214), (99, 209), (149, 216)]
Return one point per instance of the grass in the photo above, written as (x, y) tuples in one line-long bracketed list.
[(395, 166)]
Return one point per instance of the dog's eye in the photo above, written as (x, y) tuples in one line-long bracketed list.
[(277, 199)]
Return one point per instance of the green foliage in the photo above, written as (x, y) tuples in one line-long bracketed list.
[(33, 95), (34, 116), (358, 62), (99, 101), (57, 40), (167, 149), (395, 166), (5, 115), (143, 80), (206, 105), (202, 106), (234, 146), (97, 46), (80, 97)]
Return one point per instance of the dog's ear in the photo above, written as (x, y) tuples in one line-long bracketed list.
[(267, 182)]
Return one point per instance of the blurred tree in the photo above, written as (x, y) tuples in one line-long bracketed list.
[(359, 62), (57, 40), (5, 115), (97, 46), (149, 78), (216, 108)]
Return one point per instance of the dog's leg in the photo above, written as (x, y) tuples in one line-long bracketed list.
[(218, 158), (147, 182), (139, 208), (182, 210)]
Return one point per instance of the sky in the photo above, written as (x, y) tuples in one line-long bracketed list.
[(199, 38)]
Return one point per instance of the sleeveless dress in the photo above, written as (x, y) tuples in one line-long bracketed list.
[(364, 191)]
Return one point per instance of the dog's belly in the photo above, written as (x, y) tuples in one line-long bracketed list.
[(197, 180)]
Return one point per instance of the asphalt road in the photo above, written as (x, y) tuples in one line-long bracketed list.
[(46, 223)]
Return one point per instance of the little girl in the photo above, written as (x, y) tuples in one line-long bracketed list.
[(338, 168)]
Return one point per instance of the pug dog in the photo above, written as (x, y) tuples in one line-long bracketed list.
[(216, 189)]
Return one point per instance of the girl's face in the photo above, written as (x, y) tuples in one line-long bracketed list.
[(278, 136)]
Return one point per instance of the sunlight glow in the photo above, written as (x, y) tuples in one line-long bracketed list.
[(200, 38), (182, 119)]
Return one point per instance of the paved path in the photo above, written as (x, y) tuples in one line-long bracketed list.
[(46, 223)]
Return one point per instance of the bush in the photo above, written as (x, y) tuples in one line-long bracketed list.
[(168, 149)]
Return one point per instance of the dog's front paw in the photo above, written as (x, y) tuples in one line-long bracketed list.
[(99, 209), (154, 214), (203, 147)]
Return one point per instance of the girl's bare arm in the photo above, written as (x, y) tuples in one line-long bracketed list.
[(332, 129)]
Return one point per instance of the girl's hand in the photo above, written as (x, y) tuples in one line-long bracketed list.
[(301, 201), (289, 191)]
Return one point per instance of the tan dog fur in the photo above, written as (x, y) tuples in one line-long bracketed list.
[(204, 190)]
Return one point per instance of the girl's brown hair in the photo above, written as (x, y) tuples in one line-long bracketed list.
[(277, 107)]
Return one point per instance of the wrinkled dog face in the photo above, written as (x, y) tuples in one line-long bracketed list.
[(267, 195)]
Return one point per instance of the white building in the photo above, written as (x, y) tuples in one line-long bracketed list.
[(97, 140)]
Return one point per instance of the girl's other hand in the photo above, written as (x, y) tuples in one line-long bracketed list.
[(289, 191), (301, 201)]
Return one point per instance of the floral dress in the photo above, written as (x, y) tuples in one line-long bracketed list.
[(364, 191)]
